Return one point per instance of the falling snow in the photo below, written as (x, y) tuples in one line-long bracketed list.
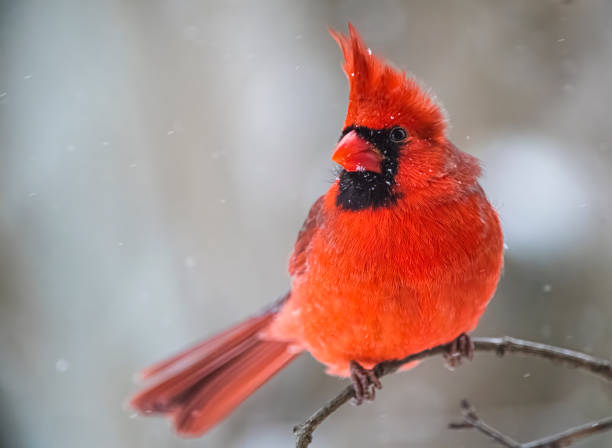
[(61, 365)]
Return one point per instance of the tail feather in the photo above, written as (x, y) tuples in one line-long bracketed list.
[(225, 390), (236, 333), (200, 386)]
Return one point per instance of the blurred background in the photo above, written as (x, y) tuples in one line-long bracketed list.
[(158, 157)]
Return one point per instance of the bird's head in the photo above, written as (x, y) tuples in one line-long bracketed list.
[(394, 138)]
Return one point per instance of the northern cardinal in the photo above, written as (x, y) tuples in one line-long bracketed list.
[(401, 254)]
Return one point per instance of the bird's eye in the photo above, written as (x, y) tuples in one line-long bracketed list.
[(398, 134)]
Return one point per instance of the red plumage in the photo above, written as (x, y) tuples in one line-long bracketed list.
[(402, 253), (380, 95), (200, 386)]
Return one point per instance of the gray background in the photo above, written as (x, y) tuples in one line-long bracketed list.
[(158, 157)]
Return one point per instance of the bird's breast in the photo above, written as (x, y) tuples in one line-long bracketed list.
[(386, 283)]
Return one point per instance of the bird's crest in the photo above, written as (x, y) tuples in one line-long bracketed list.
[(382, 96)]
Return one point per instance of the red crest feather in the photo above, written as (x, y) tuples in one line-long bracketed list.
[(381, 96)]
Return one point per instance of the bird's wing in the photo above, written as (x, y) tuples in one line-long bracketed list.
[(297, 262)]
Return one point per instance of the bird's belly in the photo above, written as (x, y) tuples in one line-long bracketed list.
[(381, 316)]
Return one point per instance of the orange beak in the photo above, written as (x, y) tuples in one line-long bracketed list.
[(356, 154)]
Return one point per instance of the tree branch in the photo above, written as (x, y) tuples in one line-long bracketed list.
[(600, 367), (565, 438)]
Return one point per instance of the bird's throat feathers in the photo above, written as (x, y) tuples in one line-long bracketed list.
[(422, 173)]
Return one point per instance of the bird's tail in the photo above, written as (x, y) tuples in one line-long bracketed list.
[(200, 386)]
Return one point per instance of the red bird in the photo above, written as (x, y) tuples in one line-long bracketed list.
[(401, 254)]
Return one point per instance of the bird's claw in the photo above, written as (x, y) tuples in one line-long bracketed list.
[(365, 382), (460, 348)]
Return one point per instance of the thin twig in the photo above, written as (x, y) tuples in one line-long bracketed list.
[(565, 438), (601, 367), (471, 420)]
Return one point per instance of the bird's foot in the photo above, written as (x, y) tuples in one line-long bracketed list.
[(460, 348), (365, 382)]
